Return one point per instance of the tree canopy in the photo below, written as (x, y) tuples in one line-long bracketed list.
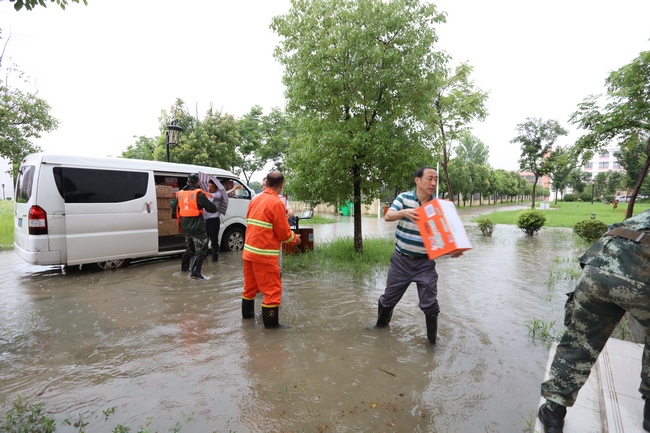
[(359, 77), (623, 118), (31, 4), (456, 103), (536, 138), (23, 115)]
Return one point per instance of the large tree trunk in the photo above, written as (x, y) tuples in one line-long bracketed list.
[(533, 197), (445, 161), (639, 182), (358, 235)]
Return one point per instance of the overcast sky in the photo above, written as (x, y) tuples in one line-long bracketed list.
[(109, 68)]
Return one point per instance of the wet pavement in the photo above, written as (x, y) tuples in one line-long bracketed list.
[(165, 350)]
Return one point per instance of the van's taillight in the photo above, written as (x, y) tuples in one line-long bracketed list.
[(37, 221)]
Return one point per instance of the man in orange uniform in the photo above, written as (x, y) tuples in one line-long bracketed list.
[(267, 228)]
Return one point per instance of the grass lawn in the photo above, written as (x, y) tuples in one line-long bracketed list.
[(6, 224), (568, 214)]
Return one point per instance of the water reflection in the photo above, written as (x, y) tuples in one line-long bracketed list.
[(153, 343)]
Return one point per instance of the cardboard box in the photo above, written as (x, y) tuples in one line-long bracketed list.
[(164, 203), (441, 229), (163, 191), (167, 228), (164, 214)]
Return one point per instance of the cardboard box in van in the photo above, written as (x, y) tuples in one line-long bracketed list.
[(163, 191), (164, 214), (164, 203), (167, 227)]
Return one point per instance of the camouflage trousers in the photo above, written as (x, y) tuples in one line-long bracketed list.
[(196, 245), (592, 311)]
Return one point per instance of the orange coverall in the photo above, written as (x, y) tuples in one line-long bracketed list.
[(267, 228)]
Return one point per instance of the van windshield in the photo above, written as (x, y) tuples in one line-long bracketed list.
[(24, 183)]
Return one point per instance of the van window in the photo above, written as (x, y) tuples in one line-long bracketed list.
[(24, 183), (88, 185)]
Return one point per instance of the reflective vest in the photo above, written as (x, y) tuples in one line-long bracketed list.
[(187, 205), (267, 228)]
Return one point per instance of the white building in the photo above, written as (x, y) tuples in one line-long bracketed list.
[(603, 162)]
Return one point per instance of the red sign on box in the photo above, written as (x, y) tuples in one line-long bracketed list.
[(441, 229)]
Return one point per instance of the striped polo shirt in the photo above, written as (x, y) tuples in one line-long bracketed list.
[(407, 234)]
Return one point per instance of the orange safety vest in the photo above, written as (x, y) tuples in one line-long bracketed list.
[(187, 205), (267, 228)]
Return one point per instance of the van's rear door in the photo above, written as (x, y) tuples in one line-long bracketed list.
[(109, 214)]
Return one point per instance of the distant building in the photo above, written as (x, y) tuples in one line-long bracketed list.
[(603, 162), (544, 181)]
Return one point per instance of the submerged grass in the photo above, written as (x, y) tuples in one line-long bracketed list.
[(339, 255), (565, 214)]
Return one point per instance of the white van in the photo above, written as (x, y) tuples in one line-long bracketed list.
[(76, 210)]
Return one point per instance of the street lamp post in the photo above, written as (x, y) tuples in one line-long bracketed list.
[(171, 138), (592, 192), (3, 191)]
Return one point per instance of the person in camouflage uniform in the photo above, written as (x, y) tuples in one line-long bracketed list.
[(189, 204), (615, 279)]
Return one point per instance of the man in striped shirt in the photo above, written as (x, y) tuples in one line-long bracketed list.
[(409, 262)]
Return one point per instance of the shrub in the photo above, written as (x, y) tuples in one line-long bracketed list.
[(570, 197), (531, 221), (486, 225), (585, 196), (609, 199), (590, 230)]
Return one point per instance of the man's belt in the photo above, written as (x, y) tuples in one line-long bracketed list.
[(633, 235)]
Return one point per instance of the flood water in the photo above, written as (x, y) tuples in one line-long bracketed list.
[(166, 351)]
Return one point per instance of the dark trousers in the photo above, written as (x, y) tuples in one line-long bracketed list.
[(402, 272), (212, 227)]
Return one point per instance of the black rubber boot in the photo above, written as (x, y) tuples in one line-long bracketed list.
[(247, 308), (383, 315), (432, 328), (197, 263), (646, 415), (552, 420), (185, 263), (270, 317), (215, 253)]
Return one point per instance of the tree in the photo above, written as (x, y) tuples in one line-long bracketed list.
[(562, 163), (472, 149), (358, 77), (536, 139), (624, 117), (456, 102), (143, 148), (250, 127), (277, 133), (632, 158), (474, 152), (210, 142), (23, 116), (613, 182), (31, 4)]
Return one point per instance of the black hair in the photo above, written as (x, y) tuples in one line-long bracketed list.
[(420, 171)]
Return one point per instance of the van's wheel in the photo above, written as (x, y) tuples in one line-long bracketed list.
[(113, 264), (233, 239)]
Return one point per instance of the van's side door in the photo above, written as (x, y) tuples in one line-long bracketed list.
[(109, 213)]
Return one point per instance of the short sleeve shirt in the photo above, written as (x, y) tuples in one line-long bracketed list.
[(407, 235)]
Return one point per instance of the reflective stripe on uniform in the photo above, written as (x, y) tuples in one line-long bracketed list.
[(259, 223), (261, 251)]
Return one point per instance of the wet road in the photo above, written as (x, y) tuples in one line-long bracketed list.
[(166, 351)]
